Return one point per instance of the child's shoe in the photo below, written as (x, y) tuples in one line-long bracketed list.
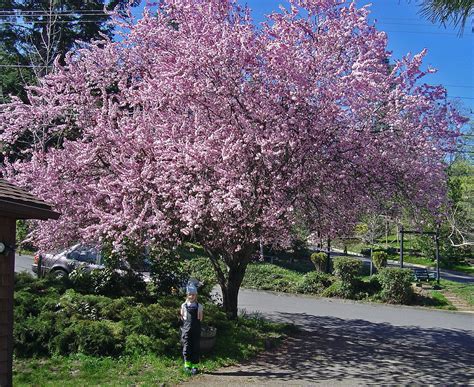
[(187, 367)]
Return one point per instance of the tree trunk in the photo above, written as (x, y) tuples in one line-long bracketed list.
[(231, 279), (230, 289)]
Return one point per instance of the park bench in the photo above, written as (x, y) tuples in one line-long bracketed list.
[(423, 274)]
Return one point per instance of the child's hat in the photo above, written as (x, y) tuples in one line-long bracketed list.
[(191, 289)]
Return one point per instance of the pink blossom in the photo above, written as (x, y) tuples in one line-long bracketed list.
[(199, 125)]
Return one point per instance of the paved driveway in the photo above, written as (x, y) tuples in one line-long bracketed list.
[(23, 263), (347, 343)]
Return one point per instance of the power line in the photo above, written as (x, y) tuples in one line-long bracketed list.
[(24, 66), (77, 21), (422, 32), (461, 97), (69, 14), (464, 87), (44, 12)]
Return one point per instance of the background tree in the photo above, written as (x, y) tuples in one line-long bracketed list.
[(445, 11), (35, 32), (199, 126)]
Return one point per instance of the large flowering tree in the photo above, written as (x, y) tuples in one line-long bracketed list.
[(199, 126)]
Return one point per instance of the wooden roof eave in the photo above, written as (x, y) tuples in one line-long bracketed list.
[(11, 209)]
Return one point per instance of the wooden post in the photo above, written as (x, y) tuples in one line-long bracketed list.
[(328, 262), (437, 253), (371, 262), (7, 270), (401, 246)]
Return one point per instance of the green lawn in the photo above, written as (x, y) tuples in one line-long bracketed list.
[(265, 276), (463, 291), (462, 268)]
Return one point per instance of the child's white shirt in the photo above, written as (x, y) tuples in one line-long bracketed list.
[(184, 312)]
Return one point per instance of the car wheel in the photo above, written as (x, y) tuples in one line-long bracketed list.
[(59, 273)]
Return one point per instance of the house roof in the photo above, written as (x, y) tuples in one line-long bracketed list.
[(15, 202)]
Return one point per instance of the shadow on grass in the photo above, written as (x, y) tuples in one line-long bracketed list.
[(331, 349), (433, 301)]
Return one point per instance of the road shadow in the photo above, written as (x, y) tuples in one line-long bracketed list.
[(332, 350)]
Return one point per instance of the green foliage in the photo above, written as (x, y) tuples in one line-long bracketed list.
[(396, 285), (136, 344), (131, 256), (22, 230), (379, 259), (52, 320), (347, 269), (108, 282), (336, 289), (202, 270), (95, 338), (314, 283), (320, 261), (236, 341), (266, 276), (372, 285), (299, 248), (12, 79), (167, 271), (445, 11)]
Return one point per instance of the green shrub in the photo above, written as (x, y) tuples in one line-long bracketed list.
[(108, 282), (396, 285), (202, 270), (320, 261), (167, 271), (372, 285), (347, 269), (299, 248), (379, 259), (136, 344), (96, 338), (266, 276), (334, 290), (33, 335), (314, 283)]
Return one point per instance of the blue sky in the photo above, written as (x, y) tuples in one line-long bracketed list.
[(452, 55)]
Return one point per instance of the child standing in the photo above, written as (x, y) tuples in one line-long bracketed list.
[(191, 314)]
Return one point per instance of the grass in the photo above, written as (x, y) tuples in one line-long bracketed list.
[(245, 337), (438, 299), (462, 290), (459, 267), (265, 276), (413, 259), (87, 370)]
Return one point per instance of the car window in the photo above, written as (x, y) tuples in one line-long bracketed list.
[(73, 255), (84, 254)]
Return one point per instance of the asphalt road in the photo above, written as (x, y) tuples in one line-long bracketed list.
[(345, 343), (23, 263), (295, 308)]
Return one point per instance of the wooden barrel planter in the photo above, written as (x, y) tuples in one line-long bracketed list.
[(208, 338)]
